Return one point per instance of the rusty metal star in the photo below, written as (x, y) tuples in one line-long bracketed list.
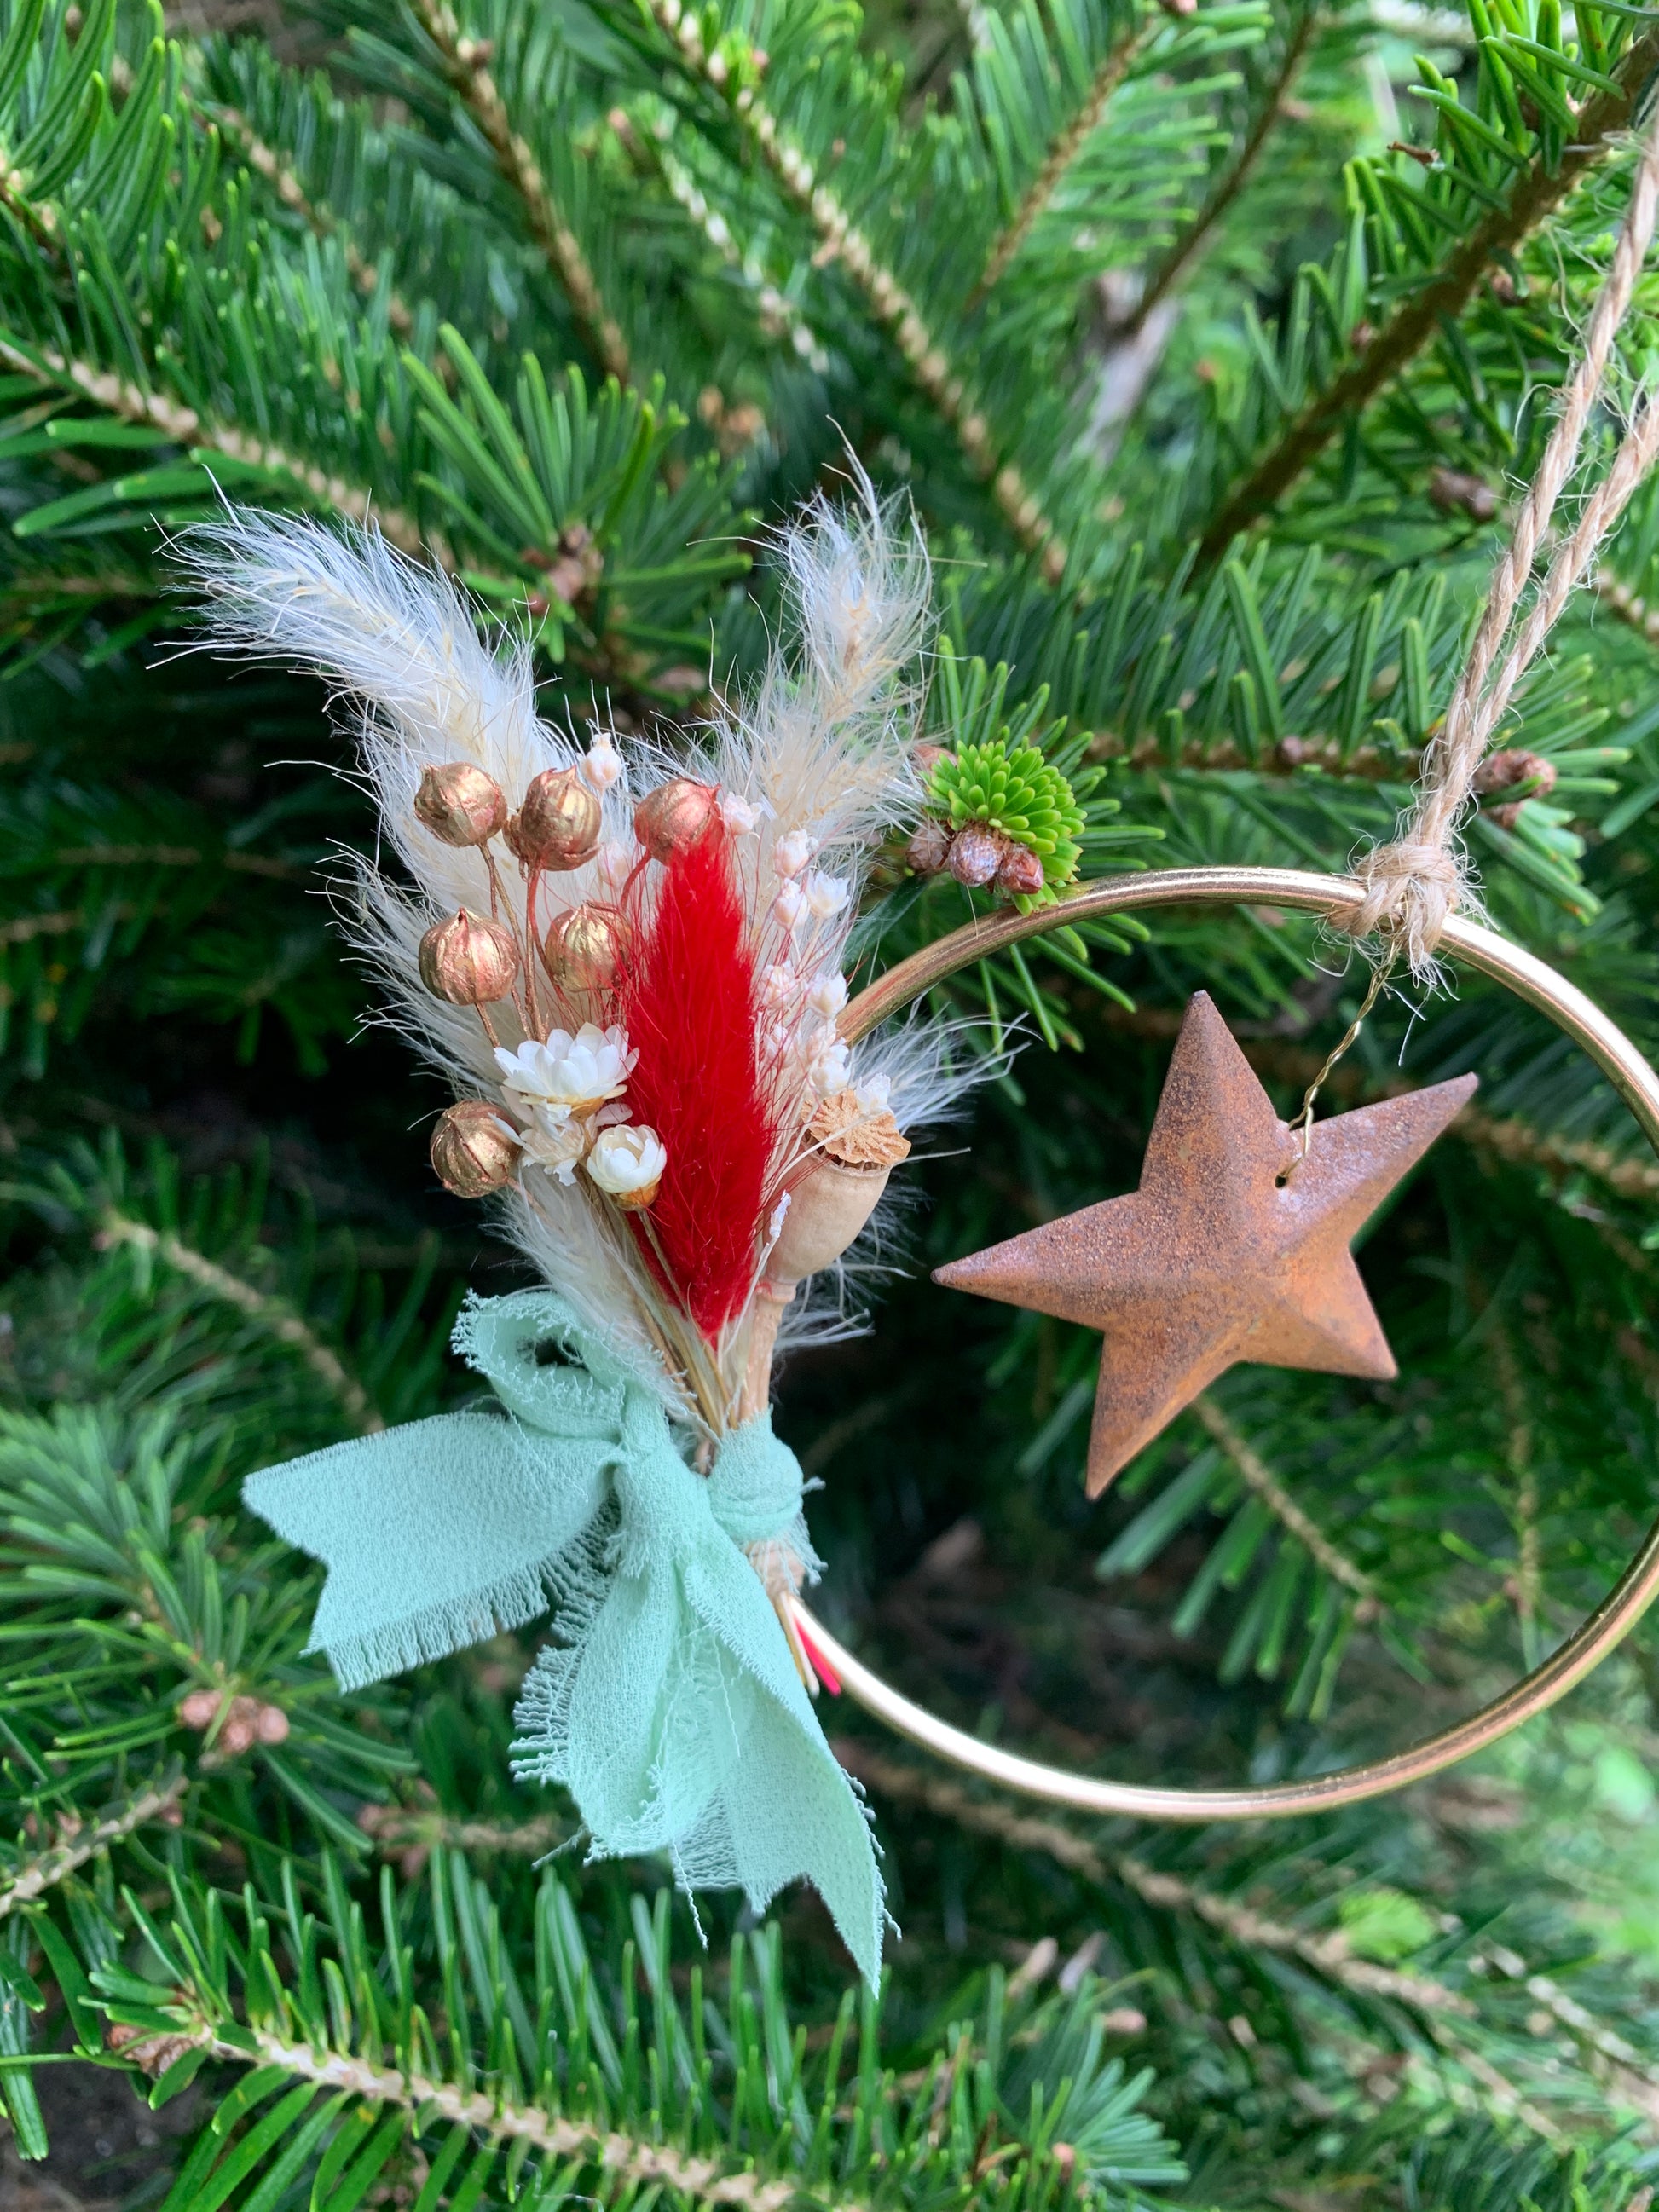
[(1234, 1247)]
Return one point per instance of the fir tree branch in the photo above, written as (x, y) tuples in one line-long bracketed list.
[(179, 856), (1330, 1955), (318, 220), (628, 2161), (779, 317), (892, 306), (1259, 1478), (1630, 606), (35, 1876), (1068, 145), (1442, 298), (272, 1313), (184, 427), (27, 926), (1193, 241), (395, 1829), (465, 63), (1225, 756)]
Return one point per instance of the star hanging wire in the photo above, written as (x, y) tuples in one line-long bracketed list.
[(1234, 1247)]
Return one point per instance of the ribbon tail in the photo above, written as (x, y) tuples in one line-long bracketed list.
[(436, 1535), (786, 1804)]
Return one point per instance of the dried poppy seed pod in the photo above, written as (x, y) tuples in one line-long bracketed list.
[(461, 804), (468, 960), (672, 818), (1019, 872), (930, 849), (584, 947), (560, 822), (977, 851), (473, 1151)]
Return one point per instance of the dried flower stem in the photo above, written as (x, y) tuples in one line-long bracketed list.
[(466, 64), (894, 308), (1259, 1477), (272, 1314), (1068, 145), (36, 1875)]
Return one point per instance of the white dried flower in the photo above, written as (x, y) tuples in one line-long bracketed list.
[(789, 905), (828, 994), (739, 815), (778, 985), (601, 766), (830, 1064), (826, 895), (874, 1094), (628, 1163), (568, 1074), (791, 851), (555, 1145), (616, 861)]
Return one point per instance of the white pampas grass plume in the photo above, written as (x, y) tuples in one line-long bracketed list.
[(822, 748)]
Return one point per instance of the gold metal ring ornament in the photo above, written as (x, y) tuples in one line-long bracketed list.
[(1479, 948)]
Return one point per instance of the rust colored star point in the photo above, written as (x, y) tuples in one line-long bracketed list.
[(1234, 1248)]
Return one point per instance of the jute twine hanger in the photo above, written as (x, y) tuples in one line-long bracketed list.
[(1413, 883)]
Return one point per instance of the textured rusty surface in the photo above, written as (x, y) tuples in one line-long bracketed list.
[(1234, 1247)]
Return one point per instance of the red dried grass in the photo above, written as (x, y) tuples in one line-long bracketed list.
[(689, 1003)]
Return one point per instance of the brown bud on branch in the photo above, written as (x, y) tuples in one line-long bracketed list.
[(930, 848), (976, 853)]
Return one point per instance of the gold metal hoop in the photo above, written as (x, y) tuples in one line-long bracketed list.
[(1530, 979)]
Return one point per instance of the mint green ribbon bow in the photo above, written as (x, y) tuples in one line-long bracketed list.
[(670, 1709)]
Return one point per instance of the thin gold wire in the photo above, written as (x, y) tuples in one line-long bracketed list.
[(1303, 1121), (1488, 954)]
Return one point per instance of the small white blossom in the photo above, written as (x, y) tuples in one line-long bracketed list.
[(829, 1066), (616, 862), (628, 1163), (826, 895), (739, 815), (873, 1094), (556, 1146), (568, 1074), (601, 766), (791, 851), (828, 994), (778, 985), (789, 905)]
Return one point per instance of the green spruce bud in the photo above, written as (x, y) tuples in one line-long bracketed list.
[(1018, 793)]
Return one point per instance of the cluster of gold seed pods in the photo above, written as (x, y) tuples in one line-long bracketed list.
[(478, 960)]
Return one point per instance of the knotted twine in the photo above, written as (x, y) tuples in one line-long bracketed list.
[(669, 1707), (1414, 883)]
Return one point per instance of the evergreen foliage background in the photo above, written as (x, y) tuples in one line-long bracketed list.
[(1212, 347)]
